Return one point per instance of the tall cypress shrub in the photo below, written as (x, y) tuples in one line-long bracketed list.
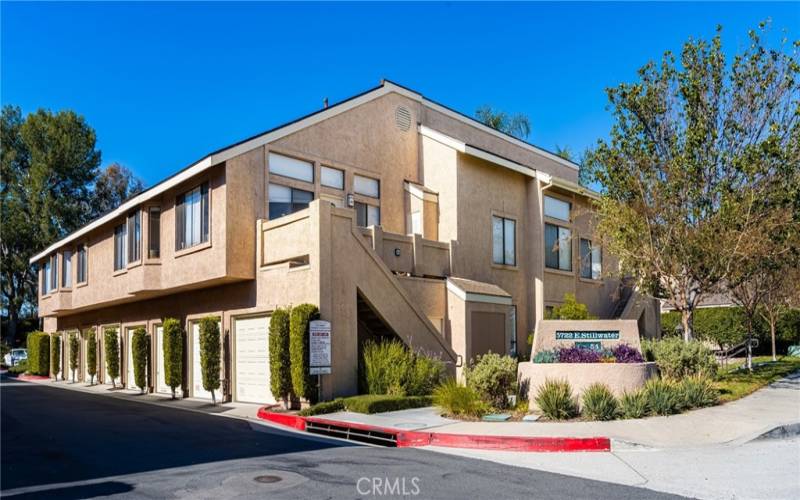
[(280, 375), (303, 384), (111, 340), (91, 355), (172, 343), (210, 354), (140, 352), (74, 353), (38, 353), (55, 355)]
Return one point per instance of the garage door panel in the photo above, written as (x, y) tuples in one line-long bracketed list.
[(252, 360)]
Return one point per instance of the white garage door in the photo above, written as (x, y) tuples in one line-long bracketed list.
[(129, 379), (161, 385), (107, 376), (197, 374), (252, 360)]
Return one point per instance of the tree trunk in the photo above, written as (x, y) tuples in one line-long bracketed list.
[(750, 343), (687, 317), (772, 334), (13, 319)]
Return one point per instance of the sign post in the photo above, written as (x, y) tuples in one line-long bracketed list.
[(319, 351)]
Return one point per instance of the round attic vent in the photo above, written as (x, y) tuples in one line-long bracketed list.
[(402, 118)]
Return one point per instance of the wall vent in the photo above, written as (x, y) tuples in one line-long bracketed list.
[(402, 118)]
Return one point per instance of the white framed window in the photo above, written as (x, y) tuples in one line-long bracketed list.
[(154, 230), (66, 269), (82, 264), (47, 277), (291, 167), (120, 246), (557, 209), (557, 247), (367, 215), (134, 236), (367, 186), (591, 260), (416, 222), (332, 177), (284, 200), (504, 241), (192, 217)]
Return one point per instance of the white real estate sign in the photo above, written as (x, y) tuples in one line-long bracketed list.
[(319, 345)]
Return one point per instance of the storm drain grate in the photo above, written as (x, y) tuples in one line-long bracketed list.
[(368, 436)]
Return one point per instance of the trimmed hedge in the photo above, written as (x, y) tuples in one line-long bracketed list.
[(39, 353), (280, 374), (111, 351), (324, 407), (304, 385), (74, 353), (55, 355), (368, 403), (210, 354), (172, 343), (91, 355), (140, 352)]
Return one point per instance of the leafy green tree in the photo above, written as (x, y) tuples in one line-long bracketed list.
[(48, 163), (694, 165), (570, 309), (91, 355), (55, 354), (210, 354), (173, 353), (303, 383), (74, 353), (517, 124), (111, 341), (114, 185), (140, 352), (280, 377)]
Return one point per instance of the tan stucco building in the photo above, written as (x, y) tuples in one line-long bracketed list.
[(392, 213)]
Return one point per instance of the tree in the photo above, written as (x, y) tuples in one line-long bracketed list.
[(111, 341), (210, 354), (280, 377), (74, 353), (303, 383), (38, 344), (47, 164), (517, 124), (694, 158), (172, 343), (570, 309), (114, 185), (55, 355), (140, 352), (777, 299), (91, 355)]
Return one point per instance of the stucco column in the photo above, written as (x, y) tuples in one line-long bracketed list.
[(535, 254)]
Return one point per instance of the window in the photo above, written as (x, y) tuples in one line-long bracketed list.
[(154, 233), (366, 186), (120, 246), (192, 218), (284, 200), (66, 269), (591, 260), (367, 215), (291, 167), (81, 264), (557, 247), (557, 209), (416, 222), (332, 177), (134, 236), (47, 277), (504, 249)]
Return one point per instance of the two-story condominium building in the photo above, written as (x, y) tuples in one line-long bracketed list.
[(395, 215)]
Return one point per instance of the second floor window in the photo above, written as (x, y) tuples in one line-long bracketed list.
[(556, 208), (284, 200), (557, 247), (66, 269), (154, 233), (120, 246), (504, 249), (367, 215), (82, 264), (192, 217), (591, 260), (135, 236), (50, 275), (366, 186)]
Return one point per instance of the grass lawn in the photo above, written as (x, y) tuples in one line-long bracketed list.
[(734, 382)]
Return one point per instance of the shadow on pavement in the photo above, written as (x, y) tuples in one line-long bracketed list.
[(76, 492)]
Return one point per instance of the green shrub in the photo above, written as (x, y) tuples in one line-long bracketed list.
[(140, 352), (210, 354), (55, 355), (111, 340), (458, 400), (74, 353), (633, 404), (599, 403), (389, 367), (663, 397), (677, 359), (91, 354), (788, 326), (323, 407), (172, 343), (280, 375), (304, 385), (555, 400), (38, 353), (698, 392), (20, 368), (550, 356), (379, 403), (570, 309), (493, 377)]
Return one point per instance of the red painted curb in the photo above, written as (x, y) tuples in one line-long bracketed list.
[(409, 439), (25, 376)]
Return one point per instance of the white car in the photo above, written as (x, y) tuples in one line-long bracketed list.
[(15, 356)]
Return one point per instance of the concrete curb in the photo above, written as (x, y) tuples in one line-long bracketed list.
[(411, 439)]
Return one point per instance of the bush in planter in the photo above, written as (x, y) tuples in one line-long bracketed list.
[(633, 404), (663, 397), (623, 353), (280, 375), (172, 343), (599, 403), (390, 367), (304, 385), (38, 353), (210, 355), (55, 355), (570, 309), (140, 352), (554, 398), (91, 355), (458, 400), (677, 359), (698, 392), (74, 353), (493, 377), (111, 340)]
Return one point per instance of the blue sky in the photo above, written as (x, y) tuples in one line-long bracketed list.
[(164, 84)]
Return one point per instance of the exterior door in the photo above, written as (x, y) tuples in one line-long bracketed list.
[(252, 360), (161, 384), (197, 375)]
